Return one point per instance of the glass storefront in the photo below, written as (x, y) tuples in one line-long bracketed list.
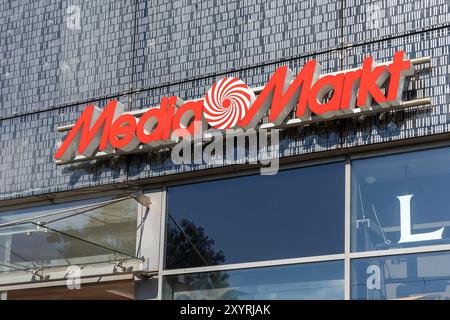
[(281, 236), (398, 202)]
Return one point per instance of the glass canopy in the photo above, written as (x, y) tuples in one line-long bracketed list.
[(79, 234)]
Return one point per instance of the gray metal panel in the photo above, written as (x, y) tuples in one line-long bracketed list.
[(146, 289), (375, 20), (27, 166), (431, 81), (178, 40), (149, 232), (28, 142), (53, 53)]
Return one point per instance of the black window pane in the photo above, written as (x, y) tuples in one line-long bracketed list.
[(291, 214)]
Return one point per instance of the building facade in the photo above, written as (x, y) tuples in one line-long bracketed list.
[(358, 210)]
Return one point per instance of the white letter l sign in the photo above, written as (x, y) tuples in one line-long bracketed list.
[(405, 224)]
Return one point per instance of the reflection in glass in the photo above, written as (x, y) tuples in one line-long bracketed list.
[(70, 233), (30, 246), (188, 245), (294, 213), (322, 280), (112, 226), (406, 277), (401, 200)]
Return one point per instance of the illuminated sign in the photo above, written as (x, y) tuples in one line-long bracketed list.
[(230, 103)]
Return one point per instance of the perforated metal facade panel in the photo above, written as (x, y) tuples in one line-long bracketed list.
[(55, 58)]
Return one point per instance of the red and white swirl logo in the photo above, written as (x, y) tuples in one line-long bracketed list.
[(227, 102)]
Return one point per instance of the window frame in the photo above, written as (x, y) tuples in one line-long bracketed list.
[(254, 172), (347, 256)]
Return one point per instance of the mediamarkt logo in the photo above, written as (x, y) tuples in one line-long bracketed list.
[(230, 103)]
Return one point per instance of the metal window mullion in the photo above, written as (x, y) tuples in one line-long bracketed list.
[(347, 231), (400, 251), (401, 149), (256, 264), (162, 243)]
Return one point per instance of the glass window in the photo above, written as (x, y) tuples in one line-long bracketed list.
[(112, 226), (322, 280), (29, 247), (68, 233), (401, 200), (294, 213), (407, 277)]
